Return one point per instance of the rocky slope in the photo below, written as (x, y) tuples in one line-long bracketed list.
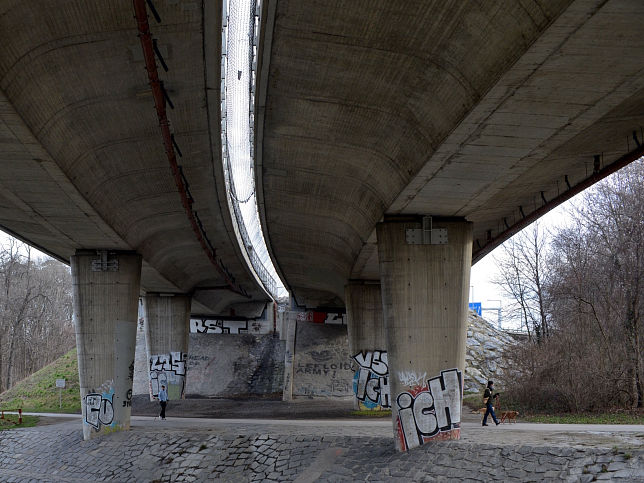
[(483, 357)]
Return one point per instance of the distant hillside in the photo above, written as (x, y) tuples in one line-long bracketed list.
[(39, 393)]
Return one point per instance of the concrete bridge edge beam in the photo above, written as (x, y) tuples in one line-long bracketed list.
[(425, 290), (367, 344), (105, 289), (167, 330)]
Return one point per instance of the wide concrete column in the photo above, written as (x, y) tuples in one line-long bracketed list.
[(106, 294), (367, 345), (424, 293), (167, 327)]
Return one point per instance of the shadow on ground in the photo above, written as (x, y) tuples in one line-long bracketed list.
[(332, 408)]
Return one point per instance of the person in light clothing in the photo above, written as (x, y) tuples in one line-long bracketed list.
[(163, 400)]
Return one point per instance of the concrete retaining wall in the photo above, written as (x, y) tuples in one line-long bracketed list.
[(321, 365), (224, 365), (234, 365)]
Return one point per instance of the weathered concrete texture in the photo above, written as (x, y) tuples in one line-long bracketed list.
[(106, 293), (232, 365), (141, 384), (321, 364), (424, 292), (290, 321), (167, 320), (223, 453), (365, 326)]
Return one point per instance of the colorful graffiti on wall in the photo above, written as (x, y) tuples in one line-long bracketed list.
[(371, 380), (430, 410), (99, 408), (168, 370)]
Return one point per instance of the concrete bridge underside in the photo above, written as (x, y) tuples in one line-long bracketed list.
[(83, 159), (483, 111), (368, 115)]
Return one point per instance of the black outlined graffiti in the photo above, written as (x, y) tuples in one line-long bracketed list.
[(218, 326), (431, 411), (371, 379), (167, 369), (128, 399), (172, 362), (98, 410)]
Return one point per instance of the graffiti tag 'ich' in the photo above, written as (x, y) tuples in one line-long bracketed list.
[(432, 411)]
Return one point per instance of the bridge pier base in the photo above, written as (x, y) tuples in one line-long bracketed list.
[(105, 293), (425, 291), (367, 345), (167, 327)]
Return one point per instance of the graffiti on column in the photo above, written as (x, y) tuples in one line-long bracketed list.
[(99, 409), (430, 410), (371, 380), (336, 318), (168, 370), (219, 326)]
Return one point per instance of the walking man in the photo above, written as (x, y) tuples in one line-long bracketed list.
[(487, 400), (163, 400)]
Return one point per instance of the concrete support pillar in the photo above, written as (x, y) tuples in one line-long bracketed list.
[(106, 293), (425, 292), (367, 346), (167, 327), (291, 320)]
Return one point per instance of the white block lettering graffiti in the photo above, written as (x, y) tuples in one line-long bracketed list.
[(220, 326), (98, 410), (371, 380), (168, 370), (431, 410)]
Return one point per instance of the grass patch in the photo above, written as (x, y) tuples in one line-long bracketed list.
[(473, 401), (385, 413), (38, 392), (586, 418), (10, 421)]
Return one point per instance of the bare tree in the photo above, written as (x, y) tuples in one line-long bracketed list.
[(585, 296), (35, 318), (523, 278)]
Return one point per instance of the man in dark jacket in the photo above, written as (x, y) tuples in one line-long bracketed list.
[(488, 399)]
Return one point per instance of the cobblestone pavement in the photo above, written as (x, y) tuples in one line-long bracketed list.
[(181, 449)]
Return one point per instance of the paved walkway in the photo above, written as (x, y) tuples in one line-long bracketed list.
[(202, 449)]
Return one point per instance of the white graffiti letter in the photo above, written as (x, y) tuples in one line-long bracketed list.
[(92, 407), (379, 363), (178, 364), (406, 419), (385, 393), (425, 418), (106, 413), (446, 390), (364, 359)]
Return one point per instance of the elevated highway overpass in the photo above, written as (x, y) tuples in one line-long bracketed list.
[(395, 144)]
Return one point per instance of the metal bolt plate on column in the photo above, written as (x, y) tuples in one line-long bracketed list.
[(426, 235), (105, 262)]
